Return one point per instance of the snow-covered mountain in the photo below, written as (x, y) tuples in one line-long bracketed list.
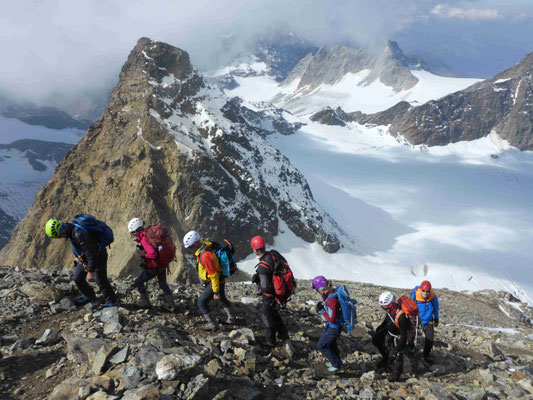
[(503, 104), (28, 157), (339, 76)]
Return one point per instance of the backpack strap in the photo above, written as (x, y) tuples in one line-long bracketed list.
[(99, 249), (335, 324)]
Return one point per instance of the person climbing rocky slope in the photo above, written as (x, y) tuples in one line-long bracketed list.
[(52, 349)]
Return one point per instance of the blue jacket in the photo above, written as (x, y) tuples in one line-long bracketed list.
[(427, 309)]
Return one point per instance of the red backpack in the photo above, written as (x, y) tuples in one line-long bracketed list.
[(158, 237), (282, 278)]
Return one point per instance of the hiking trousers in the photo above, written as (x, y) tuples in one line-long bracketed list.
[(273, 322), (383, 341), (100, 276), (327, 345), (207, 295), (147, 274), (428, 342)]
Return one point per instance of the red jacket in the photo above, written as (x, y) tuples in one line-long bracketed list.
[(332, 307), (149, 251)]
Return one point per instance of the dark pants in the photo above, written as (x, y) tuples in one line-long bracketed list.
[(100, 276), (383, 341), (273, 322), (148, 274), (327, 345), (207, 295), (428, 343)]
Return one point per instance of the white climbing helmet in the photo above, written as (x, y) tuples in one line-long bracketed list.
[(190, 238), (386, 298), (135, 224)]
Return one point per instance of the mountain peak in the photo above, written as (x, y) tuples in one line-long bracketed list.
[(158, 60)]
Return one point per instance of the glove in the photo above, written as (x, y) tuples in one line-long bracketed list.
[(319, 306), (436, 323), (255, 279)]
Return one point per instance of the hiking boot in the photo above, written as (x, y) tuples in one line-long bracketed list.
[(81, 300), (145, 301), (210, 326), (168, 305), (332, 369), (110, 304), (328, 364)]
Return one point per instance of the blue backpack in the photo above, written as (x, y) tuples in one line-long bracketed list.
[(226, 257), (89, 223), (348, 316)]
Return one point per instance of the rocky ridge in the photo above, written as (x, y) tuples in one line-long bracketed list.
[(52, 349), (503, 104), (171, 148)]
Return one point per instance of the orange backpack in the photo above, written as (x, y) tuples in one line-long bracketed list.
[(410, 309)]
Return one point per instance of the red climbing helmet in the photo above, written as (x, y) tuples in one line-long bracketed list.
[(426, 286), (257, 242)]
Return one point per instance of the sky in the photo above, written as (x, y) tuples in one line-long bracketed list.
[(56, 50)]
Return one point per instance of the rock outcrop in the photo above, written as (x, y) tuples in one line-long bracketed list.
[(170, 148)]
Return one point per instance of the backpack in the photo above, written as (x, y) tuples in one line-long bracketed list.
[(88, 223), (348, 316), (158, 237), (410, 309), (282, 279), (225, 255)]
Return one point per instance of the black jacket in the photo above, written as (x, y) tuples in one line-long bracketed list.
[(390, 325), (85, 246), (265, 271)]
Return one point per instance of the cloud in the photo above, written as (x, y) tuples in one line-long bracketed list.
[(472, 14), (55, 50)]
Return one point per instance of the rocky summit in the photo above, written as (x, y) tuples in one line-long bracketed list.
[(171, 148), (54, 350)]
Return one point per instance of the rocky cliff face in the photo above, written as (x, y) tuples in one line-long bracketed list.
[(503, 104), (169, 148), (330, 63)]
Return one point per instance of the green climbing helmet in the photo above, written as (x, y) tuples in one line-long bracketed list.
[(52, 227)]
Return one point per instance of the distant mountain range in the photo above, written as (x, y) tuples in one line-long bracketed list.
[(50, 117)]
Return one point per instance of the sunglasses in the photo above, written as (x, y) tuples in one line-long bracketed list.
[(426, 291)]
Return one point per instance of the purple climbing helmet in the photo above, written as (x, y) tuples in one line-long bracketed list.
[(319, 282)]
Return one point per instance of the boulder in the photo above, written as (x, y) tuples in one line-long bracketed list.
[(48, 338), (68, 389), (40, 293), (169, 367), (146, 392)]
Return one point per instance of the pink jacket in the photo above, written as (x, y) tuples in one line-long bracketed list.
[(149, 252)]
